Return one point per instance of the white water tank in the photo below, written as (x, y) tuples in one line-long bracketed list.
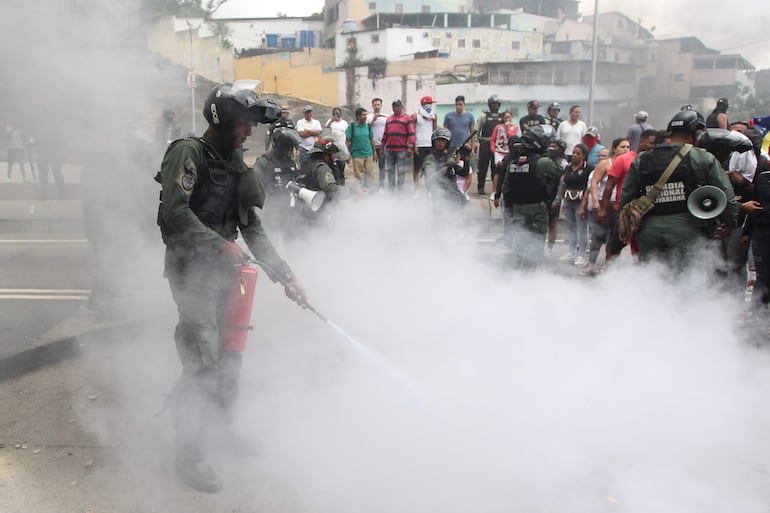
[(349, 25)]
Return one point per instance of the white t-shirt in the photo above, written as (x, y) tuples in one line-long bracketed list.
[(571, 134), (423, 129), (378, 127), (303, 124)]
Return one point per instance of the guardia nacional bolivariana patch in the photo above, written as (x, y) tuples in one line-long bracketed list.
[(190, 176)]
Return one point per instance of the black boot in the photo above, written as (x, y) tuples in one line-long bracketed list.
[(195, 472)]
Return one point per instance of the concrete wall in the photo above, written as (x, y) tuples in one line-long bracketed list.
[(407, 88), (464, 44), (170, 38), (307, 74)]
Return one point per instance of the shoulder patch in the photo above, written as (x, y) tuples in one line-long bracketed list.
[(190, 176), (329, 177)]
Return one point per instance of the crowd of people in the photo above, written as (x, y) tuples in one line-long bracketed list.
[(541, 168)]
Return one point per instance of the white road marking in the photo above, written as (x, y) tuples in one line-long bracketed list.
[(43, 241)]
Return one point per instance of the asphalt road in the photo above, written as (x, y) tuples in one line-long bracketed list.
[(42, 282)]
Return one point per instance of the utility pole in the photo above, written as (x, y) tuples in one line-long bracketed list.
[(593, 67), (191, 79)]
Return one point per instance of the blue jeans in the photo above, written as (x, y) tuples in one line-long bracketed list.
[(578, 228), (303, 155), (381, 164), (396, 163)]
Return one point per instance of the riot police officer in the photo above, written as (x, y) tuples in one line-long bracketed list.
[(317, 173), (283, 122), (441, 171), (669, 229), (486, 126), (207, 198), (276, 168), (552, 117), (526, 188)]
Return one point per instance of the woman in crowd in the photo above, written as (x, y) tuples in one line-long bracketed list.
[(597, 181), (571, 190), (499, 144), (339, 128)]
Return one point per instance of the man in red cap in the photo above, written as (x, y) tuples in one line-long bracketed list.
[(424, 124), (532, 118)]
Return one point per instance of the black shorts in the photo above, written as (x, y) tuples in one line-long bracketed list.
[(419, 156)]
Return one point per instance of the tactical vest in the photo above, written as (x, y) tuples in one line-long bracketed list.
[(673, 198), (521, 184), (554, 122), (711, 120), (492, 120), (275, 172), (308, 177), (214, 199)]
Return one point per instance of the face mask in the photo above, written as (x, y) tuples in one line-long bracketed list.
[(553, 153), (427, 108)]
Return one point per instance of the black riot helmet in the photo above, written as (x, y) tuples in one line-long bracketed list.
[(554, 107), (535, 139), (228, 102), (722, 104), (494, 99), (687, 121), (721, 143), (285, 139)]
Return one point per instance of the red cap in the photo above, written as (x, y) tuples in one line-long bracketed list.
[(425, 100)]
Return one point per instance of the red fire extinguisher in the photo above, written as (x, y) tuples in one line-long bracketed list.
[(239, 302)]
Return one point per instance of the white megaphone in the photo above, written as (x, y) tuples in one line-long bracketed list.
[(707, 202), (314, 199)]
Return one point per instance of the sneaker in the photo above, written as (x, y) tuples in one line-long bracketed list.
[(567, 257), (581, 261), (589, 270), (549, 252)]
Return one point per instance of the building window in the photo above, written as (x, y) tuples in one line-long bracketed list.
[(375, 38), (515, 45), (461, 43), (426, 9), (561, 47), (679, 77), (398, 8), (409, 39), (372, 6), (476, 43), (436, 42)]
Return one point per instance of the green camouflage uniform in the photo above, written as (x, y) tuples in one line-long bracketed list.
[(443, 186), (670, 236), (526, 224), (199, 278)]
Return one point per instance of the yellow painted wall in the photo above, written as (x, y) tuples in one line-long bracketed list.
[(293, 75)]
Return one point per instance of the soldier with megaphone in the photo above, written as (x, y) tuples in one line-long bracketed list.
[(670, 228), (317, 173)]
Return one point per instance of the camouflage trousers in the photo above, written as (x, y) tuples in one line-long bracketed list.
[(524, 230), (205, 393)]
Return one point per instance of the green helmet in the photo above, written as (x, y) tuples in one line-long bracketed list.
[(325, 143)]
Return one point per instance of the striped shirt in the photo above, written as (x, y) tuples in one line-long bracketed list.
[(399, 133)]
